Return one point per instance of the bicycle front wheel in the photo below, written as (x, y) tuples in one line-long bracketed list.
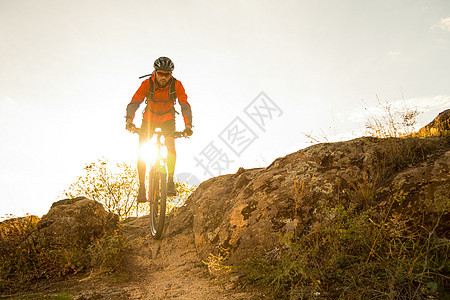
[(157, 197)]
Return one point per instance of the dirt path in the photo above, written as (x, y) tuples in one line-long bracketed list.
[(169, 269), (166, 269)]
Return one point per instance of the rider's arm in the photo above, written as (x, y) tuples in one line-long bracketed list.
[(137, 99), (185, 106)]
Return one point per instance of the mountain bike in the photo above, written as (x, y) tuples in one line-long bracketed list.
[(157, 186)]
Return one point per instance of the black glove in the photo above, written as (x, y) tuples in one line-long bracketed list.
[(188, 132), (130, 127)]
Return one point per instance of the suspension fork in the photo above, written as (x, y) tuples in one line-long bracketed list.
[(160, 161)]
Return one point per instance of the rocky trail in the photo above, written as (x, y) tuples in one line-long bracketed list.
[(169, 268), (154, 269)]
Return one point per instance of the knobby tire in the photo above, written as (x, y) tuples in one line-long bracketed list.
[(157, 197)]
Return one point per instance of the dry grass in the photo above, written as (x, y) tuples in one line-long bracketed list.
[(24, 258), (393, 122), (359, 256)]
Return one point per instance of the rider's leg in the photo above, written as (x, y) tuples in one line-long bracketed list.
[(169, 127), (141, 173), (143, 139), (171, 160), (171, 156), (141, 167)]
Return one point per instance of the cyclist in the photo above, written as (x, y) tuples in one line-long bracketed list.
[(159, 113)]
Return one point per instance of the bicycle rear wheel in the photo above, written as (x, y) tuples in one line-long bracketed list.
[(157, 194)]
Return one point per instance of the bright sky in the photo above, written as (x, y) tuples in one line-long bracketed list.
[(69, 68)]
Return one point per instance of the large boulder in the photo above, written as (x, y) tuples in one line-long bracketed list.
[(75, 222), (246, 214)]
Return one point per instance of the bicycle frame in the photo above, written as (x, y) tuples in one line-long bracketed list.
[(160, 161), (157, 186)]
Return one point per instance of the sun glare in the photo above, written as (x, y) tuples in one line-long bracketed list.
[(148, 152)]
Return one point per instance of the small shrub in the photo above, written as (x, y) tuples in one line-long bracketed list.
[(216, 263), (17, 251), (107, 253), (116, 187)]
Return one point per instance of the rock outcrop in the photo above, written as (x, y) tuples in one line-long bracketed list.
[(440, 126), (246, 213), (75, 221)]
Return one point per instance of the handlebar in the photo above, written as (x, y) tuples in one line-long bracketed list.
[(175, 134)]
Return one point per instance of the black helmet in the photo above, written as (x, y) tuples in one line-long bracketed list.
[(164, 63)]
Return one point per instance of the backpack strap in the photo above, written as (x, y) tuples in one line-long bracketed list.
[(151, 91), (172, 92)]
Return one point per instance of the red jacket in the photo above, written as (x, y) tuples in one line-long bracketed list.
[(160, 110)]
